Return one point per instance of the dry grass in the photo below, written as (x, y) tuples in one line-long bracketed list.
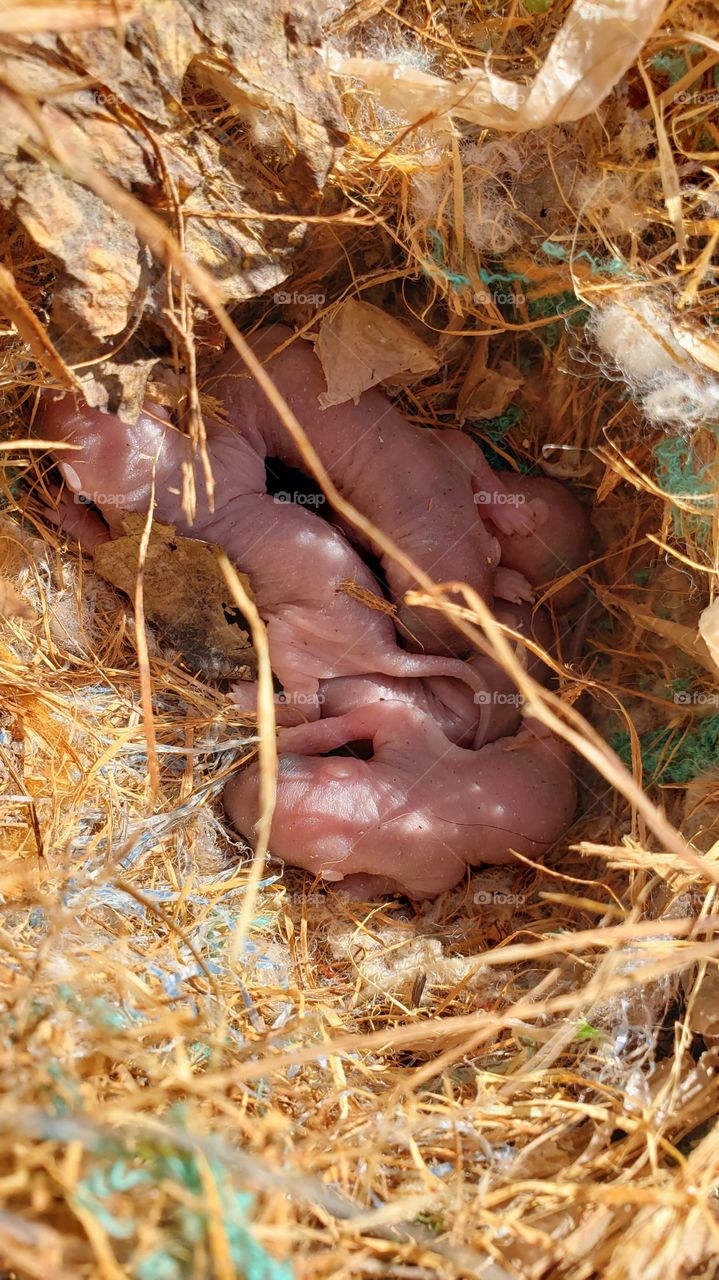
[(518, 1080)]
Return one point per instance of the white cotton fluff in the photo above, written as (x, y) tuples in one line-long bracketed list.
[(637, 335), (402, 52), (635, 136), (490, 221), (429, 184), (612, 201), (491, 171), (688, 400)]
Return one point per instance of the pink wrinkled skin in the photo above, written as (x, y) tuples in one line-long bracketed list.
[(295, 560), (423, 488), (467, 717), (422, 809), (445, 785)]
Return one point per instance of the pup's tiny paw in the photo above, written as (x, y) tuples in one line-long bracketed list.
[(511, 585), (513, 518)]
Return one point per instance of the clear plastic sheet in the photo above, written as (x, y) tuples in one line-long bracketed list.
[(589, 55)]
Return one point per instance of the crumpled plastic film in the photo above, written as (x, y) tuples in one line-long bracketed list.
[(589, 55)]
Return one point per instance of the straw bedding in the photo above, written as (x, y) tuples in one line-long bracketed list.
[(209, 1065)]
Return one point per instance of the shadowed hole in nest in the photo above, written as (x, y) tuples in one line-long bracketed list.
[(289, 484), (362, 749)]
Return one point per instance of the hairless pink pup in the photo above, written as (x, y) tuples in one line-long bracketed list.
[(414, 816), (558, 542)]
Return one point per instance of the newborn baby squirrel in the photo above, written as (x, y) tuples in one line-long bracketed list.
[(453, 778)]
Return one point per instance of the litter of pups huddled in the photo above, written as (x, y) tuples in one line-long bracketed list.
[(520, 1075), (454, 776)]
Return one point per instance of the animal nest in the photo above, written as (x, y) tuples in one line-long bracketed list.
[(210, 1066)]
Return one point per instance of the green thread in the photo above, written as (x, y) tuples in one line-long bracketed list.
[(557, 304), (502, 277), (674, 64), (611, 266), (436, 265), (158, 1266), (671, 64), (677, 474), (494, 431), (98, 1011), (108, 1187)]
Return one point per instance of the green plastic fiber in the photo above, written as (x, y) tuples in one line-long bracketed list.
[(106, 1193), (677, 473)]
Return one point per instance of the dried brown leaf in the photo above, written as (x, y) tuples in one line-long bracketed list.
[(685, 638), (184, 594), (114, 101), (266, 56), (359, 346), (486, 393)]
